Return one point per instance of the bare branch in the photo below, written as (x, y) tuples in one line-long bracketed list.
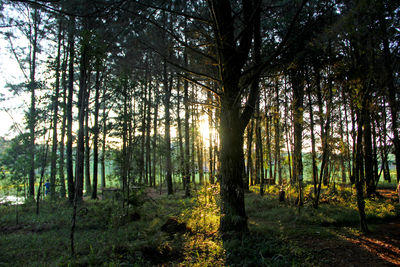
[(174, 12), (17, 57), (200, 84), (249, 74)]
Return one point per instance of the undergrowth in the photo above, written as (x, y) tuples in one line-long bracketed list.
[(108, 234)]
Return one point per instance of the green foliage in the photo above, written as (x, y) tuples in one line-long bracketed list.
[(14, 159)]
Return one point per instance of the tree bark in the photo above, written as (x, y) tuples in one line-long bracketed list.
[(32, 88), (249, 180), (180, 138), (96, 132), (70, 174), (88, 187), (53, 165), (80, 150), (148, 128), (168, 163), (186, 176), (63, 126), (156, 102), (313, 151), (298, 96)]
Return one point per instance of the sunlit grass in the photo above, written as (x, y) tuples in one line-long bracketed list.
[(106, 236)]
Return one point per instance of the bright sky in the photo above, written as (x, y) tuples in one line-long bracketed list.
[(9, 72)]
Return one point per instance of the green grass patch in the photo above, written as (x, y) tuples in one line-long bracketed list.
[(109, 235)]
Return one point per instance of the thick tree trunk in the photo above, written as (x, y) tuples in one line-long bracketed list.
[(233, 214)]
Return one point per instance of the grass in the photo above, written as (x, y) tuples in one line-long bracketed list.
[(107, 236)]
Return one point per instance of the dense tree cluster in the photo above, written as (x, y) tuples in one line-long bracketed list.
[(238, 93)]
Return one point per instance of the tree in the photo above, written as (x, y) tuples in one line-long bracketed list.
[(55, 116), (71, 46)]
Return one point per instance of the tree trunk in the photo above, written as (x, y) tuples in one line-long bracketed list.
[(32, 88), (180, 138), (249, 174), (193, 157), (359, 172), (168, 163), (298, 95), (53, 165), (392, 91), (233, 214), (343, 150), (70, 174), (143, 178), (200, 160), (210, 136), (278, 136), (125, 155), (96, 132), (88, 187), (63, 126), (156, 100), (313, 151), (103, 144), (148, 128), (368, 152), (186, 176), (80, 152), (288, 138)]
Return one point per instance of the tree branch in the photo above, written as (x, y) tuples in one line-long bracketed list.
[(200, 84), (249, 74)]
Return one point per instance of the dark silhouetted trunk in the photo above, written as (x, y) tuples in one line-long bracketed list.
[(53, 165), (96, 132), (32, 89), (168, 163), (70, 174)]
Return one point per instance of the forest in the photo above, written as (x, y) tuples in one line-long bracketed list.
[(200, 133)]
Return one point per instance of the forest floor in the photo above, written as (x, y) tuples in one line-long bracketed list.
[(380, 247), (347, 246), (161, 230)]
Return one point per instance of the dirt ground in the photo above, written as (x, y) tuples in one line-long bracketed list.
[(381, 247)]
